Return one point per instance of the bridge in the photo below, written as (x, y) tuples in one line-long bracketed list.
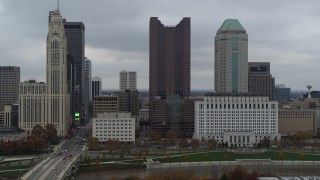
[(59, 164)]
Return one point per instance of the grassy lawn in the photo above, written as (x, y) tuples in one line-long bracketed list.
[(12, 174), (229, 156), (106, 167)]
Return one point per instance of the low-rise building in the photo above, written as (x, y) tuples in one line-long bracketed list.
[(241, 120), (114, 126), (294, 120), (102, 104), (12, 134)]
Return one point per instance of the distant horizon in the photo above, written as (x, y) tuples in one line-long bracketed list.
[(145, 89)]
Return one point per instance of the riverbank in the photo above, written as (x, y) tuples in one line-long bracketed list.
[(213, 172)]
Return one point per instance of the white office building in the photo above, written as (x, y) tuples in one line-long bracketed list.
[(128, 80), (114, 126), (239, 119)]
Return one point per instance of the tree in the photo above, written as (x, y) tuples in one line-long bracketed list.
[(93, 144), (182, 143), (206, 156), (171, 136), (239, 173), (281, 156), (186, 157), (112, 145), (265, 142), (298, 138), (301, 156), (212, 143), (195, 143), (168, 157), (38, 130), (153, 135), (51, 132)]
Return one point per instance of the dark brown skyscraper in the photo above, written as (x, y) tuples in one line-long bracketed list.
[(169, 67), (169, 74)]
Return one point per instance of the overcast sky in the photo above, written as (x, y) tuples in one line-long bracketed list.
[(285, 33)]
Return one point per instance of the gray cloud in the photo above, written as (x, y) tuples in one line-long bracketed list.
[(283, 32)]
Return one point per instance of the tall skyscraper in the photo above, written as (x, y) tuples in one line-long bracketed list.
[(75, 34), (58, 99), (9, 85), (260, 80), (169, 59), (87, 85), (231, 58), (96, 86), (169, 74), (128, 80), (40, 103)]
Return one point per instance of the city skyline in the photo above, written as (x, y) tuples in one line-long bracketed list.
[(117, 38)]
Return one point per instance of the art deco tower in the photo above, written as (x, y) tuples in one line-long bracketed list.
[(231, 58), (58, 99)]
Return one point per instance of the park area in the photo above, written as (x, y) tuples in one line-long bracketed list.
[(230, 156)]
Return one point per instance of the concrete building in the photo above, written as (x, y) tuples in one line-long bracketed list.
[(231, 58), (294, 120), (32, 102), (299, 115), (282, 93), (128, 80), (260, 80), (169, 71), (9, 116), (242, 120), (114, 126), (75, 34), (175, 114), (40, 103), (102, 104), (12, 134), (128, 101), (87, 85), (96, 87), (9, 85), (143, 119)]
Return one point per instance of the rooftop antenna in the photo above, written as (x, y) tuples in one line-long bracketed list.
[(57, 4)]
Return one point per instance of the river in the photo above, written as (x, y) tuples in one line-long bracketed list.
[(209, 172)]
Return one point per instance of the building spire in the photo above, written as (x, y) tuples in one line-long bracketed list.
[(57, 4)]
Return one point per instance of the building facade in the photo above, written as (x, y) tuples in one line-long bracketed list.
[(12, 134), (40, 103), (282, 93), (231, 58), (169, 71), (75, 35), (242, 120), (32, 105), (128, 80), (114, 126), (9, 85), (128, 101), (102, 104), (9, 116), (294, 120), (87, 85), (96, 87), (260, 80)]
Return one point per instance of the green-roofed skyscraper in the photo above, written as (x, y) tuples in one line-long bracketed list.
[(231, 58)]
